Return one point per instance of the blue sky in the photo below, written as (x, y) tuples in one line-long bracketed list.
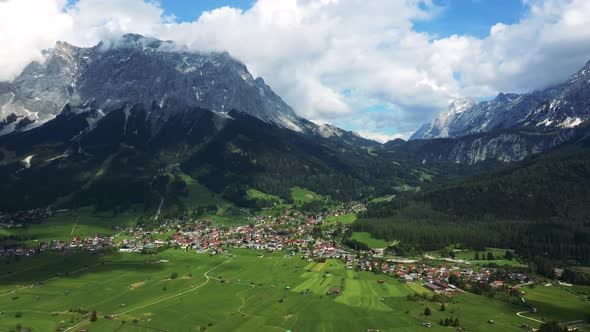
[(379, 70), (471, 17), (190, 10)]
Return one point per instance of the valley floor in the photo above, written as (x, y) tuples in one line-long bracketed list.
[(246, 290)]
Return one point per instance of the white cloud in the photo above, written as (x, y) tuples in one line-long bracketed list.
[(383, 137), (26, 28), (310, 51)]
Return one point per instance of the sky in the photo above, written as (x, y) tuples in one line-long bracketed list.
[(379, 67)]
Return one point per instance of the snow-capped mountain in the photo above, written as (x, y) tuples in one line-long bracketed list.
[(137, 70), (440, 126), (564, 106)]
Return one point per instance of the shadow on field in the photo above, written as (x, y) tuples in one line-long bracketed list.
[(26, 271)]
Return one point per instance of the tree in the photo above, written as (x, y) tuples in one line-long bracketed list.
[(174, 275), (442, 307), (491, 256), (93, 317), (476, 257), (427, 312), (508, 255), (551, 327), (452, 254), (442, 323), (456, 323)]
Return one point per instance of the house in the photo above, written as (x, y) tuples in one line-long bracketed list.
[(497, 283), (433, 287), (334, 290)]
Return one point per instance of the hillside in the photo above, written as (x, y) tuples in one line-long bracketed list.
[(538, 206)]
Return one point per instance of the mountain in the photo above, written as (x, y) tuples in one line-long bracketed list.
[(563, 106), (140, 120), (137, 70), (439, 128), (538, 206)]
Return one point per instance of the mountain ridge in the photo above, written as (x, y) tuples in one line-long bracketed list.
[(564, 105)]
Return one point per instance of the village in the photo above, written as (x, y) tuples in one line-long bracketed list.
[(291, 231)]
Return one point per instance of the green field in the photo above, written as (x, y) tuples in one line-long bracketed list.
[(199, 195), (222, 293), (469, 255), (366, 238), (382, 199), (254, 194), (554, 303), (344, 219), (302, 195), (84, 222)]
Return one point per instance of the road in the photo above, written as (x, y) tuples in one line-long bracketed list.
[(520, 314), (206, 275)]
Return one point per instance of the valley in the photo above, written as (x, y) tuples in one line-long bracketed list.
[(145, 186), (281, 268)]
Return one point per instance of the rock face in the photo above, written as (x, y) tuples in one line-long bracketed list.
[(439, 128), (137, 70), (564, 106), (502, 146)]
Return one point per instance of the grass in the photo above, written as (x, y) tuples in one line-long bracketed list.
[(290, 294), (237, 219), (422, 175), (469, 255), (301, 195), (199, 195), (554, 303), (382, 199), (344, 219), (63, 226), (253, 194), (366, 238)]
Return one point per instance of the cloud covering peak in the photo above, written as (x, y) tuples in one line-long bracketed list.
[(334, 61)]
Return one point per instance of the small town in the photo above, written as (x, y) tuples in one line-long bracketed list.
[(291, 231)]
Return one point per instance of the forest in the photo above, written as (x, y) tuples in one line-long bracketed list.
[(538, 207)]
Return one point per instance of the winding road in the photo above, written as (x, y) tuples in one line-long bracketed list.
[(206, 275)]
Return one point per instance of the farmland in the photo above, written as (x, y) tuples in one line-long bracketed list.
[(240, 291)]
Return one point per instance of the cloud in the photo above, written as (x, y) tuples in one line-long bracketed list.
[(332, 59), (26, 28), (383, 137)]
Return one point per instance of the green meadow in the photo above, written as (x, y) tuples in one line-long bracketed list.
[(237, 292), (372, 242), (84, 222), (555, 303), (240, 291), (344, 219), (302, 195)]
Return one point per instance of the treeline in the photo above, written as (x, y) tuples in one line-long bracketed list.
[(538, 207)]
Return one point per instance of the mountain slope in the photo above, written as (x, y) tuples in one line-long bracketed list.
[(538, 206), (140, 70), (136, 155), (564, 106)]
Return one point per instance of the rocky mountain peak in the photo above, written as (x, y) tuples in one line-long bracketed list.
[(134, 69), (460, 105), (565, 105)]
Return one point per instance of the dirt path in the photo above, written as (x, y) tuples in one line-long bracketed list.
[(179, 294), (243, 299), (206, 275), (74, 227), (159, 208), (520, 314)]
